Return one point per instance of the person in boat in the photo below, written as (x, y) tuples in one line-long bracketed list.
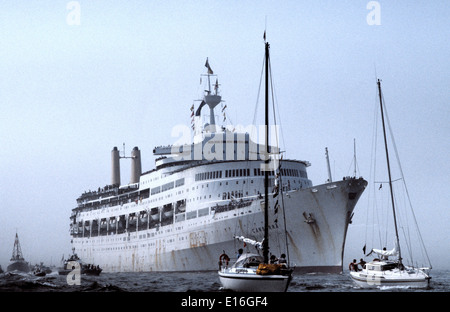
[(223, 260), (384, 257), (353, 266), (273, 259), (240, 252), (282, 259), (362, 263)]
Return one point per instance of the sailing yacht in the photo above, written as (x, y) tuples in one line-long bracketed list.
[(383, 271), (252, 272)]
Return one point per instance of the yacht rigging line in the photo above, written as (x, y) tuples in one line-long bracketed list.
[(377, 185), (394, 145)]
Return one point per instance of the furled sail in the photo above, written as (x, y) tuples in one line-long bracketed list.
[(386, 253), (257, 244)]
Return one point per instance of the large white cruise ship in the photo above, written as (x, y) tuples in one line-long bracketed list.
[(182, 215)]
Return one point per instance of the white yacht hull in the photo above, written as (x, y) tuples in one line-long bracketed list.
[(252, 282), (394, 278)]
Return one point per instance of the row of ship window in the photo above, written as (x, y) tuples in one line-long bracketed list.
[(141, 220), (245, 172), (167, 186)]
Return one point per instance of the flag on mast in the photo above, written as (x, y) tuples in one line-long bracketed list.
[(209, 68), (216, 86)]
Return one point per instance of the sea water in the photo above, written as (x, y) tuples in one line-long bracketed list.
[(178, 289), (192, 282)]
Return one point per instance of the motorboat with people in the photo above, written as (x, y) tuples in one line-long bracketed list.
[(74, 262), (38, 272)]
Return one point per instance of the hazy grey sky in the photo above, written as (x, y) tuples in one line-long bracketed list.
[(80, 77)]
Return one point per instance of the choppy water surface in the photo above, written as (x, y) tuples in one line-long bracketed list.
[(191, 282)]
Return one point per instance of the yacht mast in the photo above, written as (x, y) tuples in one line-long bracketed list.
[(354, 157), (266, 172), (389, 172)]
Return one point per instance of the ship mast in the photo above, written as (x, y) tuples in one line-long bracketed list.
[(328, 165), (389, 172), (212, 100), (17, 252)]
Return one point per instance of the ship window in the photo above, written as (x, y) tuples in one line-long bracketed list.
[(389, 266), (179, 182), (191, 215), (203, 212)]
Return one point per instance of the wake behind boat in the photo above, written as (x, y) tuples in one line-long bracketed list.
[(381, 271)]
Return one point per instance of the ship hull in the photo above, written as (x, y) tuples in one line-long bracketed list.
[(18, 265), (317, 219)]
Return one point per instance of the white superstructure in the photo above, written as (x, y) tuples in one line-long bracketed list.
[(184, 213)]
